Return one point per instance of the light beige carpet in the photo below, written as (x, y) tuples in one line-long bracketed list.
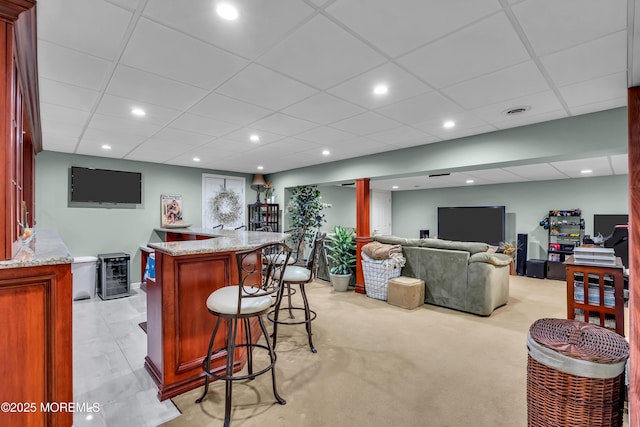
[(380, 365)]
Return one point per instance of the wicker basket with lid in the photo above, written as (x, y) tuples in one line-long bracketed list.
[(575, 374)]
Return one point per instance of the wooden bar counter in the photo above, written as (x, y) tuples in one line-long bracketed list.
[(194, 263)]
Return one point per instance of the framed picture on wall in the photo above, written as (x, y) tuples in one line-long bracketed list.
[(171, 211)]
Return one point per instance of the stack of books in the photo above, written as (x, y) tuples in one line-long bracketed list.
[(594, 256)]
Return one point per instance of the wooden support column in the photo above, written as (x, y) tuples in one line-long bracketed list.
[(633, 106), (363, 227)]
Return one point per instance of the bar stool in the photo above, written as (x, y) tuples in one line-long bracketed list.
[(297, 275), (259, 280)]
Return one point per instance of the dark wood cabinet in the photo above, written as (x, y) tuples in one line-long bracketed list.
[(264, 215), (595, 294)]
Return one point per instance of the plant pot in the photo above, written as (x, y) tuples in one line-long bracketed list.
[(340, 282)]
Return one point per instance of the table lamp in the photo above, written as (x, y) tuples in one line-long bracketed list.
[(258, 181)]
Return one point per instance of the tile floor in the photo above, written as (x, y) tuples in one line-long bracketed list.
[(108, 364)]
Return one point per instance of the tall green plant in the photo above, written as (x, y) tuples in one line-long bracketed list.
[(305, 213), (341, 250)]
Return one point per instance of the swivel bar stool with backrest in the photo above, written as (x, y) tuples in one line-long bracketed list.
[(297, 275), (259, 281)]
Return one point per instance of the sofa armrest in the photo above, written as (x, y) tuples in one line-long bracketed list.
[(490, 258)]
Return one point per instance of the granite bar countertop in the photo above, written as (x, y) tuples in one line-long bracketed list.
[(45, 248), (221, 241)]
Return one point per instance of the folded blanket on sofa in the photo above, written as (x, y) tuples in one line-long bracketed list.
[(377, 250)]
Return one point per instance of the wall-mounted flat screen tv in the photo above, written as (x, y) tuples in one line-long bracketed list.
[(105, 186), (472, 224)]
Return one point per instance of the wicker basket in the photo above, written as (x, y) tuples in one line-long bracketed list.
[(575, 374), (377, 273)]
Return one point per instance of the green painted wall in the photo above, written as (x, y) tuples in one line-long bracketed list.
[(526, 205), (94, 230)]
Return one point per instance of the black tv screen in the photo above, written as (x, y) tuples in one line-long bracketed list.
[(605, 224), (472, 224), (105, 186)]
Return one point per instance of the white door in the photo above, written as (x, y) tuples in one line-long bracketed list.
[(223, 201), (380, 212)]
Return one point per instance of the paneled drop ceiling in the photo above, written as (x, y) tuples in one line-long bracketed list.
[(300, 74)]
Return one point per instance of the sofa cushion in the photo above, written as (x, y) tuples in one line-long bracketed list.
[(471, 247), (495, 259)]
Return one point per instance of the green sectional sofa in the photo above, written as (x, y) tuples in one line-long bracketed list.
[(459, 275)]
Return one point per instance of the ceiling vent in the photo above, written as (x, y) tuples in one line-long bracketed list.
[(515, 111), (439, 174)]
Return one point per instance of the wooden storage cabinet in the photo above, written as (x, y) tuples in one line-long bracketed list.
[(595, 294), (264, 215)]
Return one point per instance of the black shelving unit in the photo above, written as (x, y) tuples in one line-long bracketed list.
[(114, 275), (264, 215), (566, 229)]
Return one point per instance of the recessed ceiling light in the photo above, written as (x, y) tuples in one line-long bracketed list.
[(586, 171), (469, 181), (254, 138), (227, 11), (196, 159), (326, 152), (449, 124), (106, 147), (138, 112), (260, 168), (381, 89), (395, 187)]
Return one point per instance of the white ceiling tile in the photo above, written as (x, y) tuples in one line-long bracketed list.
[(401, 25), (401, 84), (66, 95), (598, 58), (495, 175), (513, 82), (365, 123), (268, 89), (415, 142), (312, 59), (63, 115), (230, 110), (68, 66), (431, 105), (620, 164), (283, 125), (463, 121), (599, 106), (543, 171), (117, 140), (60, 143), (182, 137), (364, 146), (127, 4), (156, 151), (399, 135), (259, 26), (244, 135), (202, 124), (90, 148), (136, 126), (323, 108), (286, 145), (111, 105), (552, 25), (325, 135), (60, 130), (537, 103), (461, 133), (161, 50), (94, 27), (605, 88), (142, 86), (573, 168), (481, 48), (226, 145)]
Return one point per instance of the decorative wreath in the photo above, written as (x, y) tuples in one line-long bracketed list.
[(225, 206)]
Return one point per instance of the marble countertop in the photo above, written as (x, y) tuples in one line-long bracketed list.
[(221, 241), (45, 248)]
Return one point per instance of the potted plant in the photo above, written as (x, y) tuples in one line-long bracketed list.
[(342, 256), (305, 212)]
